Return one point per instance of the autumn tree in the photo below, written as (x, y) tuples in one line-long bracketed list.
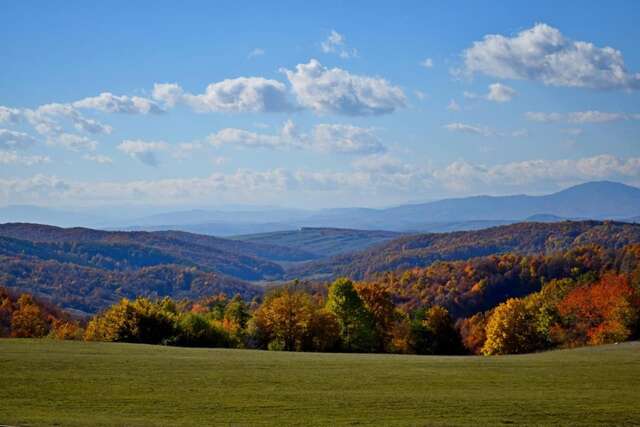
[(472, 332), (236, 315), (604, 312), (138, 321), (356, 322), (512, 329), (28, 321), (284, 318)]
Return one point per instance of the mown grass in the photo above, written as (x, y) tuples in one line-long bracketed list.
[(44, 382)]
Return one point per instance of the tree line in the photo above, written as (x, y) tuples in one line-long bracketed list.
[(500, 304)]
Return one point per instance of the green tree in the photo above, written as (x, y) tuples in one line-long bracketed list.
[(433, 332), (357, 328)]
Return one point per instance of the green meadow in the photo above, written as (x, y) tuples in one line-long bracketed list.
[(45, 382)]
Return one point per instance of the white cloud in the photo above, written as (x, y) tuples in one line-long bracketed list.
[(242, 94), (244, 138), (579, 117), (542, 53), (72, 142), (42, 116), (500, 93), (110, 103), (168, 93), (9, 115), (336, 91), (470, 95), (12, 157), (421, 95), (12, 140), (346, 139), (543, 117), (185, 150), (144, 151), (99, 158), (427, 63), (326, 138), (472, 129), (336, 43), (378, 176), (377, 163), (256, 52), (453, 106)]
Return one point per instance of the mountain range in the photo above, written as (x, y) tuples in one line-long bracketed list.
[(592, 200)]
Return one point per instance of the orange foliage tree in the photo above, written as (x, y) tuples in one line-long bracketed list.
[(604, 312)]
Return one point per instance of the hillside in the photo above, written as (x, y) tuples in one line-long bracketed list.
[(123, 250), (87, 270), (322, 242), (89, 289), (59, 383), (424, 249)]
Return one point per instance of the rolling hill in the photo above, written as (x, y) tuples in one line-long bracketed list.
[(424, 249), (322, 242), (87, 269)]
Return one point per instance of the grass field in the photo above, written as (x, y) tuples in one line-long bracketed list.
[(45, 382)]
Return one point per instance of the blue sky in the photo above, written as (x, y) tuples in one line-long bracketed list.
[(323, 105)]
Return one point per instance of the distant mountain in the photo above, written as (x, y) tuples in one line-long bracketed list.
[(593, 200), (424, 249), (322, 241)]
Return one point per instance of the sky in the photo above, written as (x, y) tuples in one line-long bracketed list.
[(313, 104)]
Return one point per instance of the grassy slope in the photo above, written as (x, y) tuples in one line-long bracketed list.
[(75, 383)]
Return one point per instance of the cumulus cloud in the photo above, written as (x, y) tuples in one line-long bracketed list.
[(346, 139), (453, 106), (579, 117), (42, 118), (500, 93), (12, 157), (542, 53), (242, 94), (465, 176), (255, 53), (244, 138), (12, 140), (327, 138), (472, 129), (377, 163), (376, 175), (9, 115), (110, 103), (143, 151), (427, 63), (336, 91), (336, 43), (99, 158), (72, 142)]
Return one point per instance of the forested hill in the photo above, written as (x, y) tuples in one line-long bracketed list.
[(424, 249), (126, 250), (322, 241), (88, 270)]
